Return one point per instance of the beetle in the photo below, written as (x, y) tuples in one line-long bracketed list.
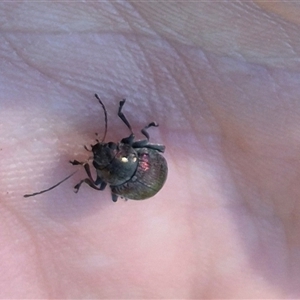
[(133, 169)]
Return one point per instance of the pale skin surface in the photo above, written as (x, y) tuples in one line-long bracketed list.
[(223, 81)]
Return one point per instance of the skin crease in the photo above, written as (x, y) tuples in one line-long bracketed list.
[(221, 79)]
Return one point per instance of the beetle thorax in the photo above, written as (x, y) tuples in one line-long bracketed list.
[(115, 163)]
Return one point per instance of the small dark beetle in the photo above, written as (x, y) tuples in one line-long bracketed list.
[(133, 169)]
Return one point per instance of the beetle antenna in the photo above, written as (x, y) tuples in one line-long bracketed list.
[(51, 188), (105, 116)]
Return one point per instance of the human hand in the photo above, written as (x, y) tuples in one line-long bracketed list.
[(214, 76)]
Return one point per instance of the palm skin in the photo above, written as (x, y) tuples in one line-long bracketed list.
[(225, 225)]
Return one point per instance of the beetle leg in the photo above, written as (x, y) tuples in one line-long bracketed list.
[(88, 172), (140, 144), (114, 197), (158, 147), (87, 149), (92, 184), (128, 140), (144, 130), (76, 162), (89, 182), (145, 144), (98, 181), (122, 116)]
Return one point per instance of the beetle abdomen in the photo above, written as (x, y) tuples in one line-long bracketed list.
[(148, 179)]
